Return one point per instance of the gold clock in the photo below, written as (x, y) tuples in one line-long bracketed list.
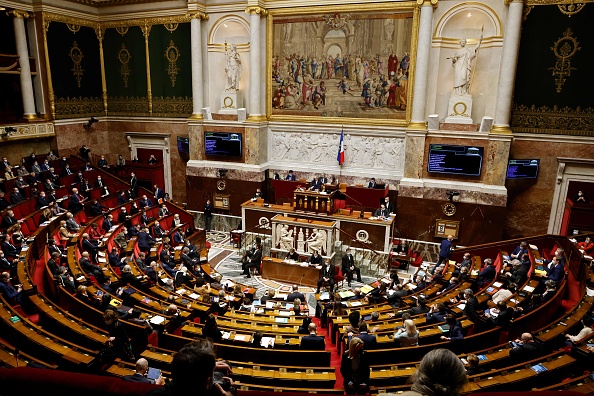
[(448, 208), (221, 185)]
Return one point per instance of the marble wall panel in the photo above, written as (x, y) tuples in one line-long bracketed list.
[(15, 150), (196, 135), (415, 153), (530, 200)]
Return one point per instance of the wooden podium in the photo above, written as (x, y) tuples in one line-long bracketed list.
[(314, 201)]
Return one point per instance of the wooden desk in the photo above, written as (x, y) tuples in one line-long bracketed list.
[(277, 269)]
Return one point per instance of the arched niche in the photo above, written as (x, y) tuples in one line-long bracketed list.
[(467, 20), (231, 29)]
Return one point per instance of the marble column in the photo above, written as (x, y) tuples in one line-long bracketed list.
[(256, 105), (197, 88), (507, 71), (27, 93), (422, 65)]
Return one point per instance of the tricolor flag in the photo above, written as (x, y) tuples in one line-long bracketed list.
[(340, 156)]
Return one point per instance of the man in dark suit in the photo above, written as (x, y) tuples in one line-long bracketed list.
[(10, 251), (326, 276), (436, 314), (290, 176), (114, 257), (555, 271), (527, 348), (54, 264), (33, 179), (41, 201), (8, 220), (90, 268), (158, 231), (140, 373), (519, 251), (3, 202), (98, 182), (322, 180), (381, 211), (313, 340), (66, 170), (159, 193), (472, 309), (53, 248), (253, 261), (71, 224), (122, 198), (504, 318), (389, 205), (6, 265), (107, 223), (315, 184), (16, 196), (89, 245), (207, 215), (50, 185), (145, 202), (369, 340), (372, 183), (295, 294), (145, 240), (8, 290), (445, 251), (519, 273), (487, 274), (76, 201), (134, 185), (348, 267)]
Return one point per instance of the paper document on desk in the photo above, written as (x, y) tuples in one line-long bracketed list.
[(461, 306), (346, 294), (355, 304), (281, 320), (366, 289), (533, 247), (528, 289), (157, 320), (194, 296), (268, 342), (325, 296), (180, 291), (226, 335)]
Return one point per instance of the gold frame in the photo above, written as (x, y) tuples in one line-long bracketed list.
[(382, 7)]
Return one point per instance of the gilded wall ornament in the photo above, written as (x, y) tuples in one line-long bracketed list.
[(564, 49), (171, 26), (122, 30), (76, 56), (124, 58), (571, 8), (172, 55), (74, 28), (553, 120)]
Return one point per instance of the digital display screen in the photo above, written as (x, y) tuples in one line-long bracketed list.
[(183, 145), (457, 160), (523, 169), (222, 144)]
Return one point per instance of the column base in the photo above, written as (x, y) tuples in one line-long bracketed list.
[(196, 116), (256, 118), (418, 126), (501, 130), (31, 117)]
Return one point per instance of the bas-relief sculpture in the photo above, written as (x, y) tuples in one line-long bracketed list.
[(360, 151), (302, 239)]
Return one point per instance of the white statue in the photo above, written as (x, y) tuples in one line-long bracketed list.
[(461, 61), (317, 241), (286, 238), (233, 68)]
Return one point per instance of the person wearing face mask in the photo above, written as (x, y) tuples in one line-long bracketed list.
[(41, 201), (20, 183), (6, 265), (118, 343)]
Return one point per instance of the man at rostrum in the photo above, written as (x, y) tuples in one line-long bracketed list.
[(326, 275)]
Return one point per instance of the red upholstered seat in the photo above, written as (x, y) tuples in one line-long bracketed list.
[(339, 277)]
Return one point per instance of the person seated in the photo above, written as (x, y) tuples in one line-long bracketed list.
[(107, 223), (158, 231), (555, 272), (292, 255), (369, 340), (326, 276), (114, 258), (519, 272), (315, 258), (10, 251), (580, 198), (16, 196), (372, 183), (163, 211), (94, 233), (454, 333), (66, 279), (526, 348), (252, 260), (145, 202), (436, 314), (550, 290), (92, 269), (128, 278), (211, 329), (312, 341), (587, 246), (402, 247), (504, 316), (395, 294), (246, 305), (4, 204), (519, 251), (257, 195), (122, 198), (268, 296), (140, 372), (9, 291), (407, 336), (133, 230), (420, 308), (152, 159), (290, 176), (145, 240), (89, 245), (83, 295), (382, 212), (584, 334), (65, 233), (102, 163), (486, 275), (453, 283), (8, 220), (473, 367)]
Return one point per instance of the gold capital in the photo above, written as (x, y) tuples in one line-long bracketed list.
[(198, 15), (417, 126), (421, 3), (501, 130), (19, 14), (100, 32), (256, 10)]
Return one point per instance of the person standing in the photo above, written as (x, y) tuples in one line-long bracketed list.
[(354, 368), (207, 215), (348, 267), (133, 185), (445, 251)]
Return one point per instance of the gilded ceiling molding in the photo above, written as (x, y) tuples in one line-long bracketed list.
[(148, 21), (555, 2), (554, 121)]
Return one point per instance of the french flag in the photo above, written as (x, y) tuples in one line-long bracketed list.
[(340, 156)]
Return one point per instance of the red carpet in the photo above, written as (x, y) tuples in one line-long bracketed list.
[(334, 358)]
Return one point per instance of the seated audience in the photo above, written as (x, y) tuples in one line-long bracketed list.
[(473, 367), (8, 290), (584, 334), (407, 336), (454, 333), (526, 348), (313, 341)]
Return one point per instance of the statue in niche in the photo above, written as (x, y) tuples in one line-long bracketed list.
[(286, 238), (233, 68), (461, 61), (317, 241)]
